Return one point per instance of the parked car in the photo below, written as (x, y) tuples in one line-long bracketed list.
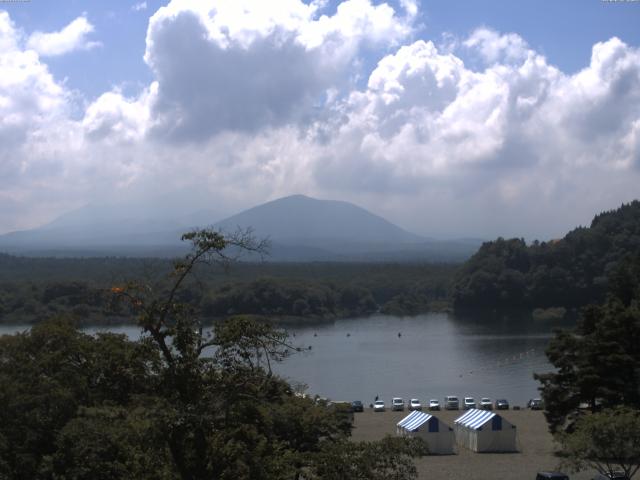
[(611, 476), (434, 404), (378, 406), (451, 402), (469, 403), (502, 404), (414, 404), (485, 403), (397, 404), (357, 406), (535, 404), (551, 476)]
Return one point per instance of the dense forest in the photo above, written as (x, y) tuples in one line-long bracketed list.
[(33, 289), (569, 272)]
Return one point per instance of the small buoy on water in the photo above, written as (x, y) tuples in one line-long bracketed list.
[(399, 334), (309, 347), (315, 334), (348, 334)]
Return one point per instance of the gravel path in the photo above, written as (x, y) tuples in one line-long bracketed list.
[(535, 444)]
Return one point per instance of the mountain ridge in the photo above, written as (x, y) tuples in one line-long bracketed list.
[(300, 228)]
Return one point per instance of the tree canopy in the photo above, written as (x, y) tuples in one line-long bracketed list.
[(608, 441), (569, 272), (77, 406), (597, 364), (33, 289)]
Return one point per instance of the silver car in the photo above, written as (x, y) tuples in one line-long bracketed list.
[(451, 402), (485, 403)]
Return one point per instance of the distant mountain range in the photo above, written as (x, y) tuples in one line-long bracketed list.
[(299, 228)]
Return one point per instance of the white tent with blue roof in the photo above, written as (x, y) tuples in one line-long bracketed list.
[(485, 431), (438, 435)]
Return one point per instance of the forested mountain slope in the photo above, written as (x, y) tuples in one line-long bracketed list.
[(569, 272)]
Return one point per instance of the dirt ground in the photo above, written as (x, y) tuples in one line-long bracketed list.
[(535, 445)]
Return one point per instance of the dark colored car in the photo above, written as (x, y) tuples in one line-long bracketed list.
[(551, 476), (502, 404), (535, 404), (357, 406), (611, 476)]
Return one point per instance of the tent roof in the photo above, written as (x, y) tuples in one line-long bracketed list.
[(475, 418), (414, 420)]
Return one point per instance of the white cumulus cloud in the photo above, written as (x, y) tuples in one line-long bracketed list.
[(242, 65), (71, 38), (252, 100)]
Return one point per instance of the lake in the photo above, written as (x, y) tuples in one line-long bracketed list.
[(427, 356)]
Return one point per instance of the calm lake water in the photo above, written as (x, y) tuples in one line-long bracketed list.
[(434, 355)]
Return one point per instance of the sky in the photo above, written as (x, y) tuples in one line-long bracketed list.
[(450, 119)]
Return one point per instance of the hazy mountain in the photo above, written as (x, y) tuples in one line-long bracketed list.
[(113, 229), (302, 220), (300, 228)]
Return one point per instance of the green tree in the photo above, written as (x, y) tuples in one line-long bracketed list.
[(388, 459), (78, 406), (103, 443), (229, 415), (597, 364), (607, 441), (49, 373)]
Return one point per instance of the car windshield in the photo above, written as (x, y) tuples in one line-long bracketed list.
[(485, 400), (379, 402)]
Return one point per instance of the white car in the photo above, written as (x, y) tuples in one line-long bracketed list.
[(434, 404), (378, 406), (485, 403), (415, 404), (397, 404), (469, 403)]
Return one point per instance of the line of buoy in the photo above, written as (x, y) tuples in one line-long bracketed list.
[(506, 361)]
